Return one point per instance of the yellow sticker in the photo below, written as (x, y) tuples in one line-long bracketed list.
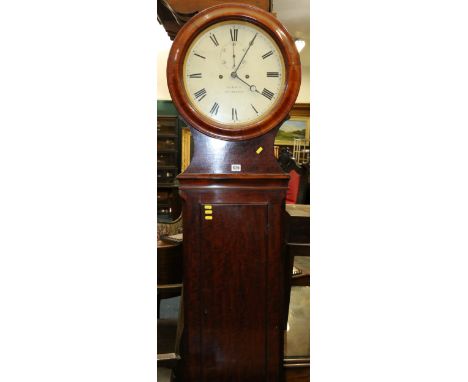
[(208, 217), (259, 150), (208, 207), (208, 212)]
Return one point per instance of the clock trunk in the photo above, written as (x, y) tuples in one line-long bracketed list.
[(234, 266)]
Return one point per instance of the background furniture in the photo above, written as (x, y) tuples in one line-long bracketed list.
[(166, 229), (297, 237), (169, 270), (169, 257), (298, 184), (168, 167), (298, 240), (169, 127)]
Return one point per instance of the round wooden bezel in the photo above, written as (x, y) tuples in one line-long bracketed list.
[(280, 35)]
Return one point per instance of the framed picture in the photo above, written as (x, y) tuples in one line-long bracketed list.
[(297, 127), (186, 148)]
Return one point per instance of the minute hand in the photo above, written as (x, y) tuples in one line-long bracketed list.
[(253, 88), (242, 59)]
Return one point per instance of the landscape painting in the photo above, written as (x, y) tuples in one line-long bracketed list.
[(294, 128)]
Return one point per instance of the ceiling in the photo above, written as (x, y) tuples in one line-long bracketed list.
[(295, 16)]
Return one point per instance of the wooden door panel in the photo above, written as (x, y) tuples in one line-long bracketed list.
[(233, 292)]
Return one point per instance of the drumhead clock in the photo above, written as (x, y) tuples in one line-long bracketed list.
[(233, 72)]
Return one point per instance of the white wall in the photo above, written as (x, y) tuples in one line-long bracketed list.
[(304, 91)]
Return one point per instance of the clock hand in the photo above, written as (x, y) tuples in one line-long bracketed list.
[(242, 59), (253, 88)]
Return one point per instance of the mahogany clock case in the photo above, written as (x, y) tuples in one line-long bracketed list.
[(233, 224), (279, 34)]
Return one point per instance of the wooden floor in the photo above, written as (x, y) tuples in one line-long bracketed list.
[(291, 375)]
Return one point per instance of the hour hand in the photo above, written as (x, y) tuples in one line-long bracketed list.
[(233, 56)]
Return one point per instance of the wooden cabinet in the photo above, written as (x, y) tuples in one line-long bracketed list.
[(168, 167)]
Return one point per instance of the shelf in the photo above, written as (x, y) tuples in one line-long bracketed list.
[(167, 135), (166, 150), (167, 167)]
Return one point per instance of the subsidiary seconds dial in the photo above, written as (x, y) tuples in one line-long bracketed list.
[(234, 73)]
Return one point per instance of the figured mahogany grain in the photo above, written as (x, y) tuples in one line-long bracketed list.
[(234, 265), (233, 283), (235, 270), (214, 156)]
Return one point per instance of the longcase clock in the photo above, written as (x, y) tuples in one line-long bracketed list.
[(233, 74)]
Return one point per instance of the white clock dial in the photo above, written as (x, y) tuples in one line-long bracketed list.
[(234, 73)]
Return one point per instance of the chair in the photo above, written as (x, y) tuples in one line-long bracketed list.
[(298, 185), (169, 228)]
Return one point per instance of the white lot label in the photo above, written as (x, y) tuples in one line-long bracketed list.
[(235, 167)]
